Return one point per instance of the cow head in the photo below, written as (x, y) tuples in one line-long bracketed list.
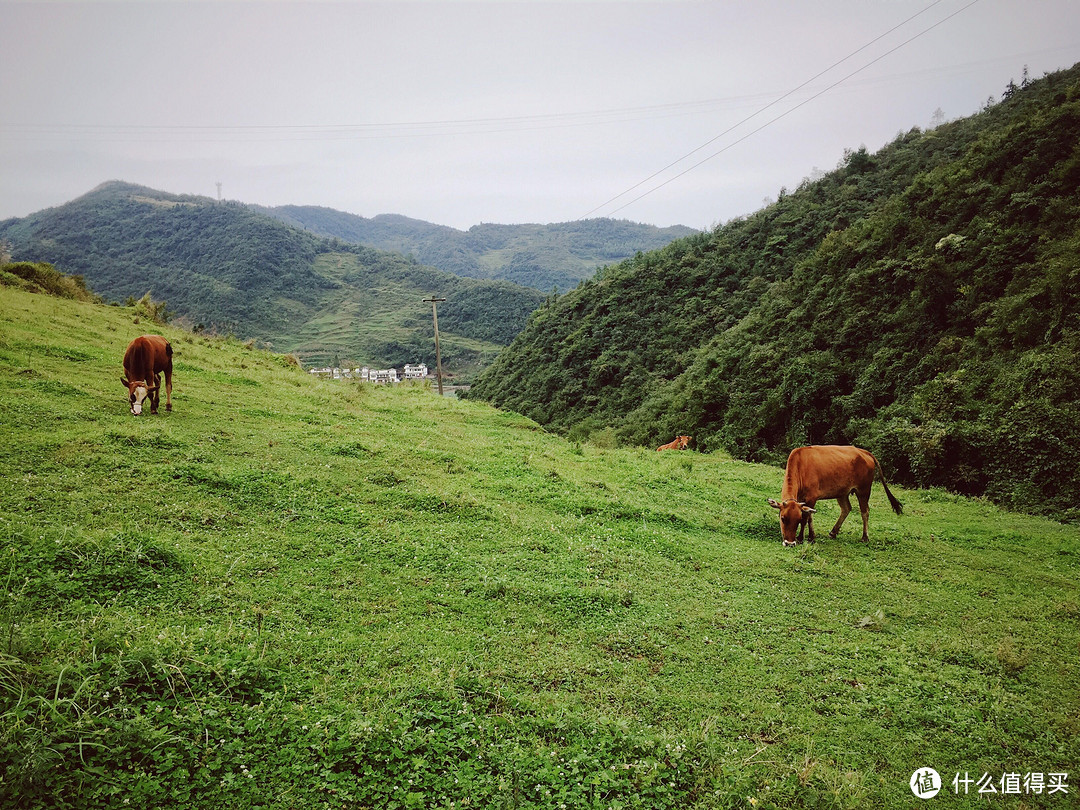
[(138, 391), (792, 515), (684, 442)]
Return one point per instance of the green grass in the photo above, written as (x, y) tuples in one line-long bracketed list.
[(298, 593)]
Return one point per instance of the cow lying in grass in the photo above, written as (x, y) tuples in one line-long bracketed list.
[(830, 471), (680, 443)]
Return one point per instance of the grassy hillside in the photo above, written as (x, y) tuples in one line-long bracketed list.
[(921, 301), (226, 268), (544, 257), (293, 593)]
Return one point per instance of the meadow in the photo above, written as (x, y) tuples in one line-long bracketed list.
[(295, 593)]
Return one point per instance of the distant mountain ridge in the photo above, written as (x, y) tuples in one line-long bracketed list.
[(224, 266), (557, 255)]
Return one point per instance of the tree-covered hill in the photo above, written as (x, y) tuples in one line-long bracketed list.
[(231, 269), (544, 257), (921, 301)]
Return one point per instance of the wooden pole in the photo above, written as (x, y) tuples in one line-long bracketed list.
[(438, 355)]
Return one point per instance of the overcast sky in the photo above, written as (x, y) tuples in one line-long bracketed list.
[(467, 112)]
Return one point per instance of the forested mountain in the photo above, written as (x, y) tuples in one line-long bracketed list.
[(544, 257), (923, 302), (225, 267)]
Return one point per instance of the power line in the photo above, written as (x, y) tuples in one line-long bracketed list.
[(225, 133), (774, 103), (129, 133), (387, 129)]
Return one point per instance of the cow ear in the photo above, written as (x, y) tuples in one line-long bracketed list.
[(807, 510), (774, 504), (124, 381)]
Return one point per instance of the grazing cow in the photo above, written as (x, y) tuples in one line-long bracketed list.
[(144, 361), (830, 471), (680, 443)]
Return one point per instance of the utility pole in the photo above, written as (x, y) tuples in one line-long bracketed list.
[(438, 355)]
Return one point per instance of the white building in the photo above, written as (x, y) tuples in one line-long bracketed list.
[(384, 376)]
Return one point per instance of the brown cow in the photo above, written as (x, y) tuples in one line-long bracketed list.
[(830, 471), (144, 361), (680, 443)]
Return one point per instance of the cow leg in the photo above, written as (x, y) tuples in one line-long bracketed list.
[(845, 507), (168, 388), (155, 395), (864, 508)]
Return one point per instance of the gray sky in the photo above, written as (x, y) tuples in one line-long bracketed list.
[(467, 112)]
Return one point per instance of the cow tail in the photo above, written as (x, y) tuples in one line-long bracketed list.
[(895, 504)]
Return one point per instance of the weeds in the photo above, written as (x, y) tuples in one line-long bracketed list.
[(876, 622)]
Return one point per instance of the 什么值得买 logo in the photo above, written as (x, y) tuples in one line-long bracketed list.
[(926, 783)]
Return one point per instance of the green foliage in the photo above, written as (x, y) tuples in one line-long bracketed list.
[(44, 278), (146, 307), (921, 301), (294, 593)]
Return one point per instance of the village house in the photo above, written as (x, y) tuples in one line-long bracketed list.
[(413, 371), (384, 376)]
